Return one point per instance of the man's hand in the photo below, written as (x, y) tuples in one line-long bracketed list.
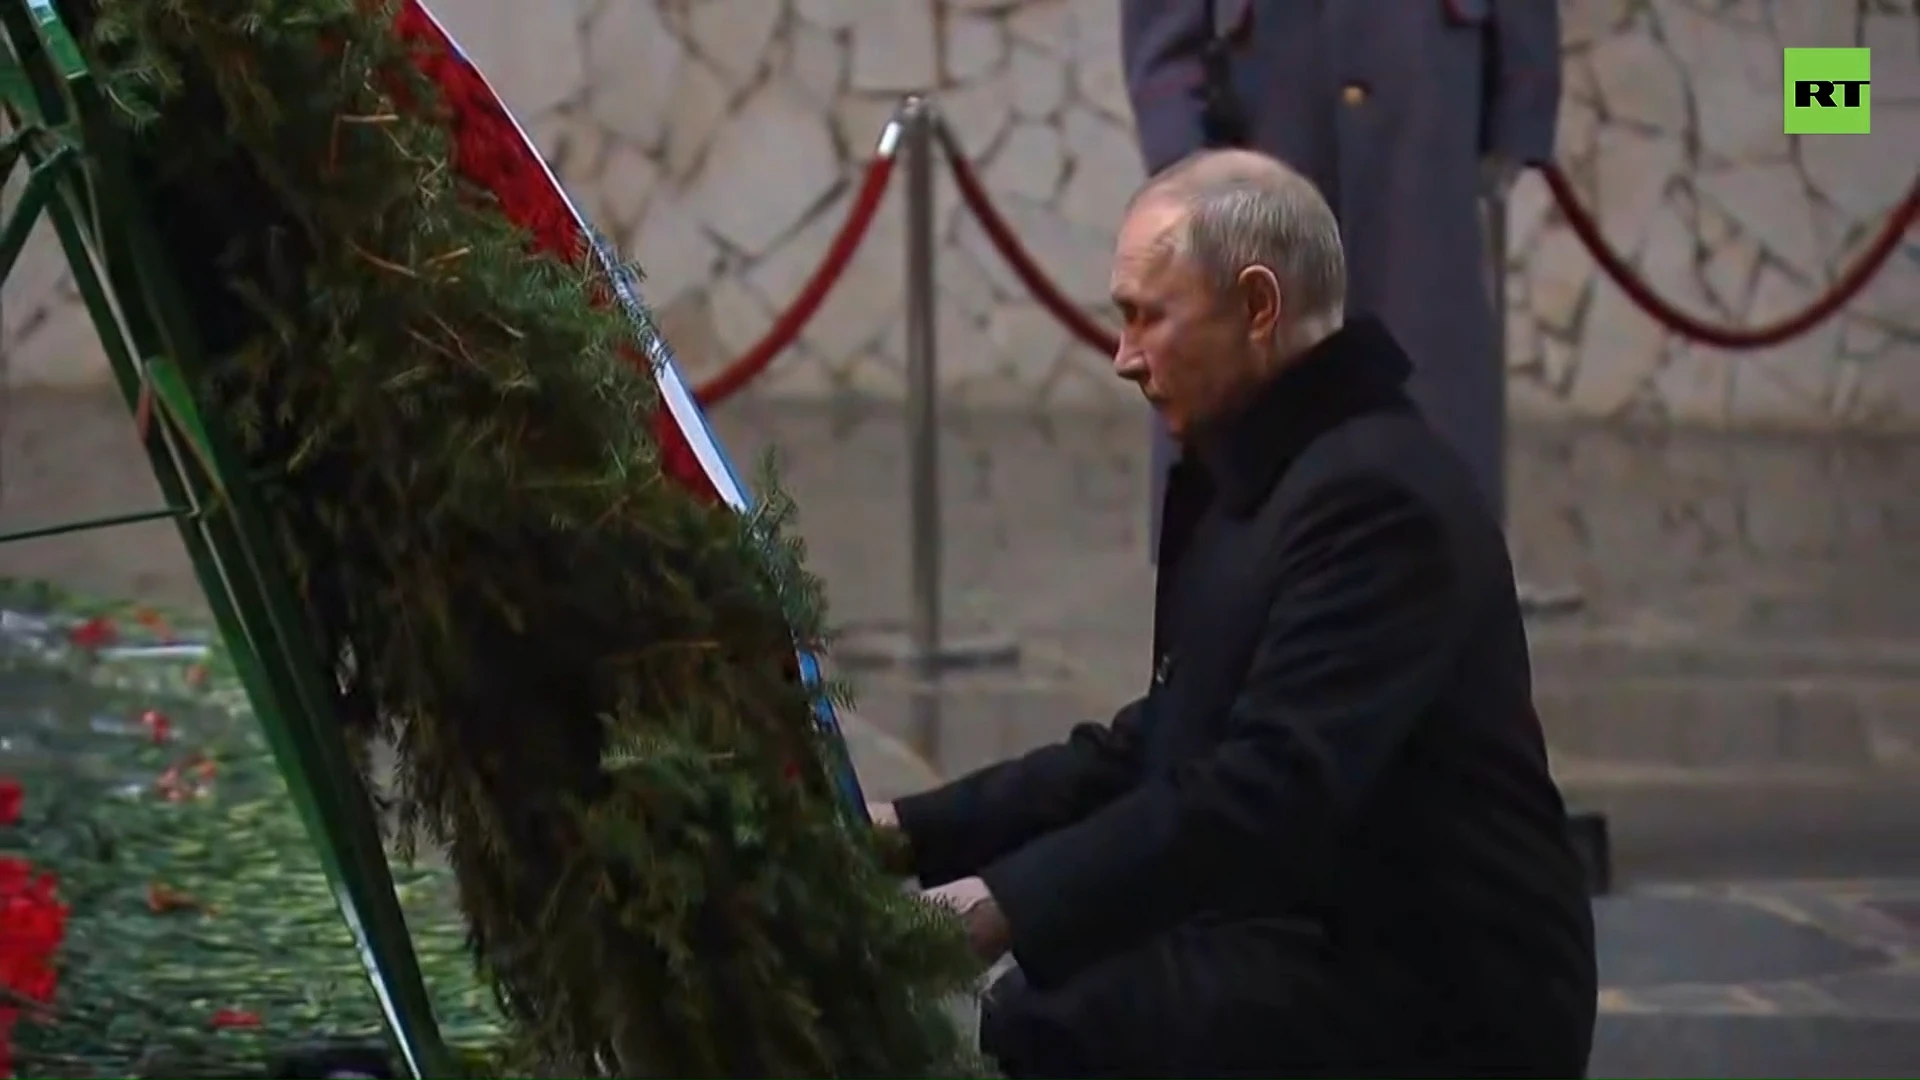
[(1497, 174), (889, 842), (987, 929)]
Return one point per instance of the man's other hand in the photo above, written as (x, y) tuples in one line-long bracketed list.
[(883, 815), (986, 927), (1497, 175)]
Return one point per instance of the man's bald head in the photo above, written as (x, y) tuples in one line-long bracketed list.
[(1226, 270), (1243, 209)]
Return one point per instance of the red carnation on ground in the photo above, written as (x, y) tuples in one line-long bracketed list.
[(96, 633), (33, 922), (234, 1020), (155, 624)]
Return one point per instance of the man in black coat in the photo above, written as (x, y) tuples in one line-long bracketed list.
[(1325, 841)]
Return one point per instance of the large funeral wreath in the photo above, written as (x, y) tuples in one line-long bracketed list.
[(582, 659)]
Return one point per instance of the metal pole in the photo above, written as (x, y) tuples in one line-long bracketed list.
[(1497, 255), (925, 652), (1590, 833), (923, 407), (923, 435), (1534, 600)]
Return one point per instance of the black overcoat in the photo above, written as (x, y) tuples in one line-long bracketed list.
[(1325, 840)]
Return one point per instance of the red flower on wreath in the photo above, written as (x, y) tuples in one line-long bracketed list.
[(490, 153), (11, 796)]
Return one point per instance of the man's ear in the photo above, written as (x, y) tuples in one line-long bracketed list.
[(1261, 303)]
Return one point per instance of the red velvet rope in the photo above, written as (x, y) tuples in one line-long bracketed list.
[(786, 329), (973, 192), (1733, 338), (1007, 242), (1083, 327)]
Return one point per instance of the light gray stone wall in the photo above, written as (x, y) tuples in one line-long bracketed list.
[(720, 141)]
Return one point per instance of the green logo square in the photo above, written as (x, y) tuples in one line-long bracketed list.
[(1827, 92)]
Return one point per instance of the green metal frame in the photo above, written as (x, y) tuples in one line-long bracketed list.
[(75, 154)]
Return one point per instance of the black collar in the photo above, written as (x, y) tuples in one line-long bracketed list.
[(1359, 369)]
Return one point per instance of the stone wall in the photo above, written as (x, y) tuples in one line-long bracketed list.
[(720, 141)]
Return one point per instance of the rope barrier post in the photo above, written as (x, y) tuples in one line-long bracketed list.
[(1534, 600), (925, 652), (923, 392), (1498, 252), (1591, 839)]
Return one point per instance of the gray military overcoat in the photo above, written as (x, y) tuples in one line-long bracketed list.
[(1391, 107)]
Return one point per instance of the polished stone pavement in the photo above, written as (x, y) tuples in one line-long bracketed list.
[(1740, 692)]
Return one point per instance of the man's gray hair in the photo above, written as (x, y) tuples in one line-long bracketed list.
[(1247, 209)]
